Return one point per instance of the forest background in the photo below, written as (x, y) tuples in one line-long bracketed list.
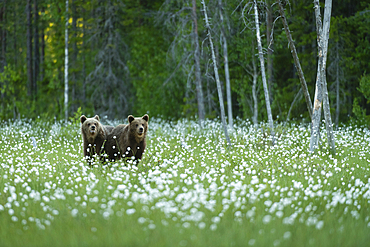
[(137, 56)]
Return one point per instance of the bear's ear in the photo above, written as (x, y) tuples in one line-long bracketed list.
[(131, 118), (83, 118), (146, 117), (97, 117)]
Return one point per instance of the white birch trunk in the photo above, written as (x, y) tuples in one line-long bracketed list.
[(328, 120), (227, 74), (321, 87), (66, 67), (228, 87), (326, 105), (198, 82), (316, 112), (254, 93), (267, 95), (222, 108)]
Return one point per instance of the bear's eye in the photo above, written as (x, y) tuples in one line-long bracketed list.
[(137, 125), (88, 124)]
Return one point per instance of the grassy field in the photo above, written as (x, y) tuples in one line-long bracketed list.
[(189, 189)]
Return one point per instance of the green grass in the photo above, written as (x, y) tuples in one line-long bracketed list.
[(190, 189)]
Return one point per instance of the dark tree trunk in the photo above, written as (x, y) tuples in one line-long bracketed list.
[(83, 63), (337, 110), (15, 36), (36, 59), (29, 49), (74, 55), (42, 54), (3, 36), (3, 50)]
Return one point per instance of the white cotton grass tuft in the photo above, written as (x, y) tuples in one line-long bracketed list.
[(34, 143), (266, 219), (130, 211), (74, 212), (287, 235)]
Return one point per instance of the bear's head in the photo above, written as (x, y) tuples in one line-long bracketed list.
[(90, 126), (139, 126)]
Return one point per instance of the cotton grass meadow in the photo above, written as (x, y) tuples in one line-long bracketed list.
[(190, 189)]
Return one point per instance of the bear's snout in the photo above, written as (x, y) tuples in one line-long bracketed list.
[(141, 130), (92, 129)]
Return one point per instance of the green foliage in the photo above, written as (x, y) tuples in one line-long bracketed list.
[(76, 117), (153, 95), (365, 86), (14, 100), (8, 79), (359, 113)]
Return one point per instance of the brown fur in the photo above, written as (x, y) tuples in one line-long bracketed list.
[(93, 135), (130, 136)]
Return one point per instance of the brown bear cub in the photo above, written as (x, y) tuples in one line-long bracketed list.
[(93, 135), (126, 141)]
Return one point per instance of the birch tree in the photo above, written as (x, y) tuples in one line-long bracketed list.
[(226, 66), (254, 91), (326, 104), (66, 66), (198, 81), (219, 90), (297, 64), (265, 87), (321, 93), (254, 94)]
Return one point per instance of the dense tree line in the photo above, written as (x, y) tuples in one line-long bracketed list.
[(135, 57)]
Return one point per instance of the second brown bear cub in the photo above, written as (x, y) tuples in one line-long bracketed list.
[(126, 141)]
